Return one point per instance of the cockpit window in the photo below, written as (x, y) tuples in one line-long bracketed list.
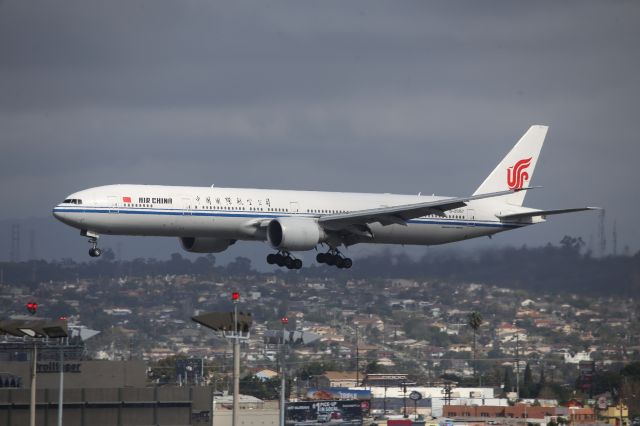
[(72, 201)]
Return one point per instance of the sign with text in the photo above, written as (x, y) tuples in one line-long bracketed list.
[(338, 393), (346, 413)]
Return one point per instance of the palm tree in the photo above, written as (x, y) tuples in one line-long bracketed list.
[(475, 321)]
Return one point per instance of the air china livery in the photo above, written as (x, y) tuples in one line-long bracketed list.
[(210, 219)]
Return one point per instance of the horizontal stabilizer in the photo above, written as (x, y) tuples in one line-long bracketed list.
[(536, 213), (401, 214)]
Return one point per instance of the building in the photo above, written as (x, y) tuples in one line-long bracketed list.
[(533, 414), (585, 415), (266, 374), (613, 414), (79, 374), (167, 405), (385, 379), (338, 379)]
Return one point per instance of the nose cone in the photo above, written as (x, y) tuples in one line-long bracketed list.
[(63, 216), (57, 213)]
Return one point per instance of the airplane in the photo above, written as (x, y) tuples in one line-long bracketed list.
[(210, 219)]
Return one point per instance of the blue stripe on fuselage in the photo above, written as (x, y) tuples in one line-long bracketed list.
[(270, 215)]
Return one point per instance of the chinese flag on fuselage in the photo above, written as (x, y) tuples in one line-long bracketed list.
[(126, 199)]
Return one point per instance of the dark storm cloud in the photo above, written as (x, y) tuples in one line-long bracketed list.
[(362, 96)]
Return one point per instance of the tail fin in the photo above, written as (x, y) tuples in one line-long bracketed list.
[(516, 168)]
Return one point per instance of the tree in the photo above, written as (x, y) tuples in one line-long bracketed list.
[(239, 266), (373, 367), (507, 380), (474, 321), (527, 382)]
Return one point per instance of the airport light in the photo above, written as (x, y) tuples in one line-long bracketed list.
[(32, 307), (36, 329), (235, 296), (284, 320), (233, 325)]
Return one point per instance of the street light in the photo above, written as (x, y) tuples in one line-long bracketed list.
[(284, 320), (233, 325), (36, 329)]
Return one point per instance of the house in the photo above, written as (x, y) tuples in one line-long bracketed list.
[(266, 374), (518, 411), (613, 413), (586, 415)]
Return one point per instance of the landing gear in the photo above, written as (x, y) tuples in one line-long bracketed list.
[(94, 251), (334, 258), (284, 258)]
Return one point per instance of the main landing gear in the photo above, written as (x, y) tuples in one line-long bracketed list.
[(334, 258), (284, 258)]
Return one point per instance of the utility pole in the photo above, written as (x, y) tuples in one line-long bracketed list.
[(236, 361), (517, 365), (14, 254), (357, 360), (61, 391), (283, 382), (404, 399), (384, 401), (32, 403)]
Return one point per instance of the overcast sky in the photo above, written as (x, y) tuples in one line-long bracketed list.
[(393, 96)]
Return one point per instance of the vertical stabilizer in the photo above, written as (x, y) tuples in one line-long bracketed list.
[(516, 168)]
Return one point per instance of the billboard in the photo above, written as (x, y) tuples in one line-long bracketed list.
[(345, 412), (338, 393)]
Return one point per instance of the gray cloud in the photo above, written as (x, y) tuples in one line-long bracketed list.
[(359, 96)]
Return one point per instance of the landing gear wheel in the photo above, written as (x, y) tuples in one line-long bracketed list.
[(284, 258), (94, 251), (334, 258)]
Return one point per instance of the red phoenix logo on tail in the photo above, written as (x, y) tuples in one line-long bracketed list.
[(516, 174)]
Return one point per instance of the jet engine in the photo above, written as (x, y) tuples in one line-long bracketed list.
[(205, 245), (294, 233)]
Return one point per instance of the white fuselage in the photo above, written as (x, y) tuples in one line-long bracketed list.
[(232, 213)]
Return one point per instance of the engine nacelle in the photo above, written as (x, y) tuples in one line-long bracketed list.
[(205, 244), (294, 233)]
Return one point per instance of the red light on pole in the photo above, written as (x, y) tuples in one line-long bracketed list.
[(235, 296), (32, 307), (284, 320)]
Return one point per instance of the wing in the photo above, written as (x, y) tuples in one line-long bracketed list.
[(401, 214), (530, 214)]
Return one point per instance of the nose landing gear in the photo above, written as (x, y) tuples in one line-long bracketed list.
[(94, 251), (284, 258), (334, 258)]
